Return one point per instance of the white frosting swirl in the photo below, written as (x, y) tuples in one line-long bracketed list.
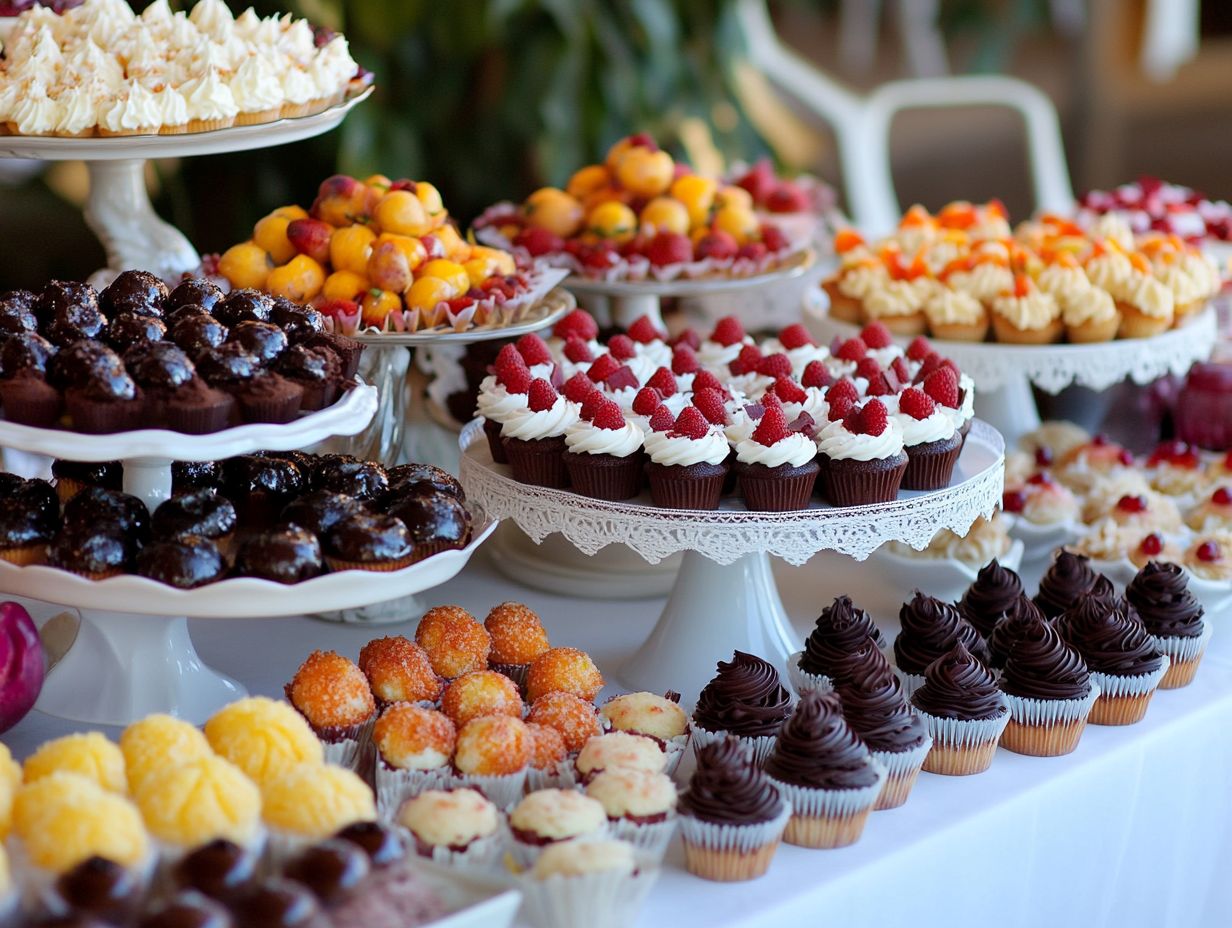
[(682, 451), (839, 444), (255, 86), (1089, 305), (584, 437), (1149, 296), (496, 403), (935, 427), (1033, 310), (948, 306), (984, 281), (529, 425), (716, 357), (794, 449), (859, 281)]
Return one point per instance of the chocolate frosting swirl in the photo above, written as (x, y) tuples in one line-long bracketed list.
[(868, 659), (841, 629), (727, 789), (818, 749), (958, 686), (1162, 597), (1010, 629), (745, 698), (929, 629), (1067, 576), (1042, 666), (1107, 638), (875, 708), (995, 591)]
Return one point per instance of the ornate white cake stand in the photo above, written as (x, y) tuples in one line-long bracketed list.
[(725, 595), (1004, 374), (118, 208)]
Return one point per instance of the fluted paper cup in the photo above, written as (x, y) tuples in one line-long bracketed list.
[(902, 768), (1123, 700), (395, 786), (731, 853), (596, 900), (962, 747), (829, 818), (761, 745), (650, 838), (1184, 654), (803, 682), (1046, 727), (503, 791)]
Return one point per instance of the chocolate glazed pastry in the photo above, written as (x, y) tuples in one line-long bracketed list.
[(343, 473), (436, 522), (76, 475), (220, 869), (95, 507), (995, 591), (817, 749), (745, 698), (202, 513), (101, 888), (1108, 640), (412, 479), (875, 708), (1067, 576), (840, 630), (929, 629), (186, 562), (1021, 617), (957, 686), (382, 844), (195, 291), (139, 293), (194, 475), (1042, 666), (369, 541), (728, 789), (287, 555), (321, 510), (1161, 595), (128, 331)]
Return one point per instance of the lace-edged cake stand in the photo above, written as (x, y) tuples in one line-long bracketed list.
[(1004, 374), (133, 654), (725, 596), (118, 208)]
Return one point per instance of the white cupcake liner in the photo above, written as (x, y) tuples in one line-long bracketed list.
[(1114, 687), (503, 791), (910, 681), (741, 839), (675, 749), (813, 802), (1047, 712), (650, 837), (1180, 649), (609, 899), (525, 854), (803, 682), (481, 854), (395, 786), (350, 752), (559, 777), (762, 745), (898, 763), (965, 733)]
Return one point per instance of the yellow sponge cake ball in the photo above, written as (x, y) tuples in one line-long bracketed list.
[(199, 801), (89, 754), (64, 818), (10, 770), (158, 743), (263, 737), (316, 801)]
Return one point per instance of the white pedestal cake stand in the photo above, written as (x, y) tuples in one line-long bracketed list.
[(1004, 374), (118, 208), (725, 595)]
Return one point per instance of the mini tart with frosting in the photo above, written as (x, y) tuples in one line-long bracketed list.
[(1088, 312), (1209, 557), (687, 460), (863, 456), (956, 315), (898, 304), (1214, 512), (451, 819), (1176, 468), (1026, 315), (1154, 547), (1041, 501), (859, 274)]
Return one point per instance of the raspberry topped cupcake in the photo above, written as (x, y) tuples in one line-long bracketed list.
[(776, 466), (688, 461), (502, 394), (723, 345), (534, 437), (603, 453), (930, 440), (862, 455)]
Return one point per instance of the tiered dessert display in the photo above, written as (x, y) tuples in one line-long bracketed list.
[(167, 85), (249, 387), (1126, 306), (691, 419)]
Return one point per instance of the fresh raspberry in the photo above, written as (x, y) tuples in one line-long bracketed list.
[(876, 335), (534, 350), (717, 244), (942, 386), (746, 362), (609, 416), (604, 366), (772, 428), (539, 241), (705, 380), (795, 336), (774, 238), (901, 372), (621, 378), (691, 423), (840, 408), (931, 362), (1131, 504), (579, 324), (621, 347), (817, 375), (599, 257), (1013, 501), (688, 337), (769, 400), (843, 388), (789, 391), (592, 403), (1151, 545), (878, 385), (727, 331), (919, 348), (663, 381), (578, 351), (710, 404), (516, 380), (684, 361), (662, 420), (669, 248), (774, 365), (752, 251), (868, 368), (1222, 497), (648, 399), (541, 396), (339, 308), (644, 331), (853, 349), (916, 403), (578, 388), (507, 359), (874, 418)]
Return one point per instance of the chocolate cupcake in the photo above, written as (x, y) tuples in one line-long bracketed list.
[(243, 306), (825, 772), (877, 710), (27, 396), (17, 312), (185, 563), (195, 331), (320, 510), (99, 888), (348, 350), (298, 322), (68, 311), (1067, 576), (260, 486), (158, 369), (109, 401), (194, 475), (1122, 659), (262, 339), (199, 513), (436, 522), (1049, 692), (412, 479), (94, 552), (74, 476), (963, 711), (127, 331), (732, 816), (369, 541), (268, 397), (1172, 617), (28, 519), (316, 370), (841, 632), (193, 291), (96, 507), (221, 870), (745, 699), (929, 630), (137, 293), (1012, 626), (993, 594), (196, 408), (285, 555), (344, 473)]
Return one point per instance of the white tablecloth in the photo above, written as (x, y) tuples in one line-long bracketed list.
[(1135, 828)]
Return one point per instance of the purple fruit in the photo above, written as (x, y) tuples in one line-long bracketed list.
[(21, 664)]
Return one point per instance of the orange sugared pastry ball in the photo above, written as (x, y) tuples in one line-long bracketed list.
[(565, 670), (575, 718), (517, 634), (331, 692), (492, 746), (399, 670), (456, 643), (547, 746), (481, 692), (413, 738)]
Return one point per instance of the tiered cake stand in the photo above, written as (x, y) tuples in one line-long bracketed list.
[(133, 654), (118, 208), (1004, 374), (725, 596)]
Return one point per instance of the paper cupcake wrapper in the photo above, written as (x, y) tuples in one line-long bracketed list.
[(910, 681), (965, 733), (525, 854), (730, 853), (902, 768), (515, 672), (596, 900), (809, 802), (1179, 649), (803, 682), (675, 749), (762, 745), (651, 838), (1046, 712), (503, 791), (1112, 686), (559, 777), (480, 854), (395, 786), (351, 752)]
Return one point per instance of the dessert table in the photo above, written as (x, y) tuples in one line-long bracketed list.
[(1129, 830)]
